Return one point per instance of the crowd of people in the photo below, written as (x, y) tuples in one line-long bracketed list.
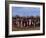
[(26, 21)]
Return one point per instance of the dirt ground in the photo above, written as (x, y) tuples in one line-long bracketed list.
[(25, 28)]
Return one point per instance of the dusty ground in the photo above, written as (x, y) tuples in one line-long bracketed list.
[(25, 28)]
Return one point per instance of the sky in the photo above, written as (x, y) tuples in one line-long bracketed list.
[(25, 11)]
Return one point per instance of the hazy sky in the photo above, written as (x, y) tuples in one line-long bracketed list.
[(25, 11)]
